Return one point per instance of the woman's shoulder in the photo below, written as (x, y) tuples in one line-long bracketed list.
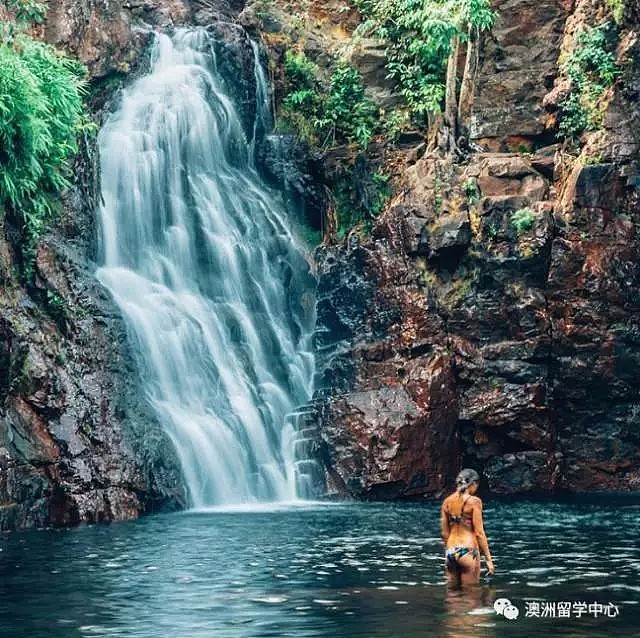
[(475, 501), (448, 499)]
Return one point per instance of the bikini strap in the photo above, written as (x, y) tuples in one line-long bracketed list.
[(458, 518)]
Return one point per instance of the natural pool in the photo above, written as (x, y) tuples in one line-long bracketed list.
[(347, 570)]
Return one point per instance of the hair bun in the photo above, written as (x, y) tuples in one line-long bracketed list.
[(467, 477)]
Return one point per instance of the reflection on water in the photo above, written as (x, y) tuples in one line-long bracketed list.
[(470, 610), (329, 570)]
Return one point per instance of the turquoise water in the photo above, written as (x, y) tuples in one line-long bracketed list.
[(351, 570)]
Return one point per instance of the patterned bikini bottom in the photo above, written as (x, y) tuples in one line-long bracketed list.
[(454, 554)]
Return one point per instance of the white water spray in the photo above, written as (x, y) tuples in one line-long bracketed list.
[(213, 286)]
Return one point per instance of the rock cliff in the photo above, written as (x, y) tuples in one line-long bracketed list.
[(77, 443), (491, 317)]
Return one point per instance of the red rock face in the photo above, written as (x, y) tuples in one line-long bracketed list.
[(519, 64), (68, 404), (525, 292), (594, 309), (103, 34), (67, 400), (450, 320), (108, 35)]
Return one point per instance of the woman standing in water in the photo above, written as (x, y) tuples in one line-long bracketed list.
[(462, 532)]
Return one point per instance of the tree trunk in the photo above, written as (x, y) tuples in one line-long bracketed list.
[(450, 99), (467, 87)]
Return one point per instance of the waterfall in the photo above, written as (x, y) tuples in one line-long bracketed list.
[(215, 289)]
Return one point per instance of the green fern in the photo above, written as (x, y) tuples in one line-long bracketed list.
[(41, 112), (592, 68)]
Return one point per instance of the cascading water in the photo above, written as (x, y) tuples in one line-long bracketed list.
[(214, 287)]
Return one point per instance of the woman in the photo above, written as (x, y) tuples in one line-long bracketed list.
[(463, 532)]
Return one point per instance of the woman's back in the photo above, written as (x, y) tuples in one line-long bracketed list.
[(459, 510)]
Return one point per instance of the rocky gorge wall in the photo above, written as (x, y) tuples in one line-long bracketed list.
[(67, 398), (454, 336), (446, 337), (77, 442)]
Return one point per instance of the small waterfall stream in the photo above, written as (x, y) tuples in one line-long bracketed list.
[(214, 287)]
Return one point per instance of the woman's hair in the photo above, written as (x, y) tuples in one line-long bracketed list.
[(465, 478)]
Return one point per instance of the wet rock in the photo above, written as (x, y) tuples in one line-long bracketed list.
[(207, 11), (594, 313), (521, 473), (518, 69), (388, 399), (104, 35), (502, 176), (544, 160), (370, 59), (536, 312), (70, 404), (397, 440), (415, 236), (289, 166), (449, 236), (236, 63), (539, 315)]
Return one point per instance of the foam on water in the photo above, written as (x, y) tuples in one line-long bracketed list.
[(256, 508)]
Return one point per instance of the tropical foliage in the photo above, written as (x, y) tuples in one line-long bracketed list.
[(522, 220), (592, 68), (322, 115), (421, 36), (347, 111), (41, 113), (337, 111)]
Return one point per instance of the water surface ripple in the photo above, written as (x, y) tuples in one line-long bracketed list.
[(363, 570)]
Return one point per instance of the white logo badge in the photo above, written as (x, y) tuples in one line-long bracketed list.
[(504, 608)]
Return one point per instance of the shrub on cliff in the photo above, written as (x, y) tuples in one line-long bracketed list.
[(302, 102), (337, 111), (422, 39), (41, 112), (522, 220), (347, 111), (326, 114), (592, 68)]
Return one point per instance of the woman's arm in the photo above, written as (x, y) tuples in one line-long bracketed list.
[(478, 527), (444, 524)]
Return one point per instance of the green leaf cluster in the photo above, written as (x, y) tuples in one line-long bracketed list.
[(27, 12), (323, 115), (471, 191), (41, 113), (617, 8), (418, 35), (347, 112), (522, 220), (592, 68)]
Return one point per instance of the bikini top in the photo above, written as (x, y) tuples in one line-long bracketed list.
[(465, 519)]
